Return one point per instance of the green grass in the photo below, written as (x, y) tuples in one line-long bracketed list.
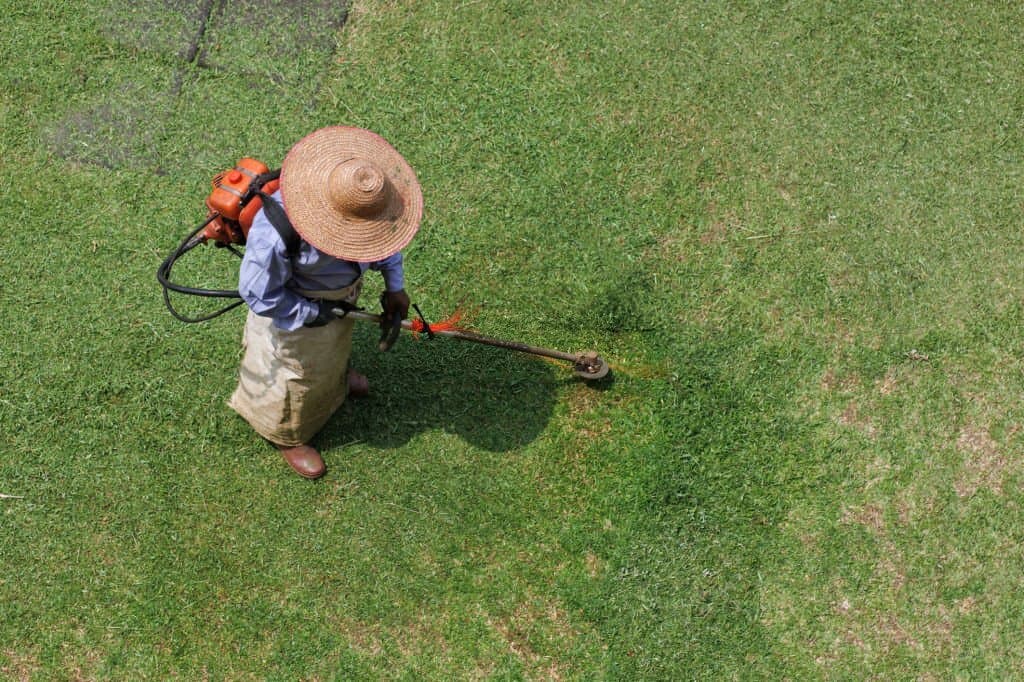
[(793, 229)]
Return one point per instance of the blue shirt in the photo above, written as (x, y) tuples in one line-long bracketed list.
[(268, 277)]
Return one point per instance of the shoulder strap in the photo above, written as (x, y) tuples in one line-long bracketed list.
[(263, 178), (279, 219)]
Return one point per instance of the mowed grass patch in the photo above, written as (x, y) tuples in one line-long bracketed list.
[(790, 229)]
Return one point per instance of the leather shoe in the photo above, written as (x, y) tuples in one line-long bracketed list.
[(358, 384), (304, 459)]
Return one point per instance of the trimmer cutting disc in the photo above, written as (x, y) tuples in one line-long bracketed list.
[(590, 366)]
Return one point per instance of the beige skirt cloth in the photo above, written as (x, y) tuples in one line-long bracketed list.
[(291, 382)]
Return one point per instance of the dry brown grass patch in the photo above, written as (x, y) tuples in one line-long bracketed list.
[(363, 638), (830, 381), (20, 666), (411, 638), (983, 465), (720, 229), (81, 663), (672, 247), (361, 18), (537, 618), (869, 516), (887, 384), (594, 564), (892, 632), (891, 566), (966, 605), (851, 417), (584, 416), (421, 636)]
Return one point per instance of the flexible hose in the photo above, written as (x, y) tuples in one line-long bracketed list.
[(163, 275)]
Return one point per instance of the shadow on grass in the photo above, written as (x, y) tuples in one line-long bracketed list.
[(494, 399)]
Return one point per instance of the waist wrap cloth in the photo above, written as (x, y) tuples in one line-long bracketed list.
[(291, 382)]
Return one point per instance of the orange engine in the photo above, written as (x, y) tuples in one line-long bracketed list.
[(231, 204)]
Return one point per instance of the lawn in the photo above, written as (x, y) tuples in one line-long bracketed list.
[(793, 229)]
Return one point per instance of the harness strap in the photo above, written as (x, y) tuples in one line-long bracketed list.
[(279, 219)]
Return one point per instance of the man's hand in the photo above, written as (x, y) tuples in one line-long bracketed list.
[(325, 313), (395, 302)]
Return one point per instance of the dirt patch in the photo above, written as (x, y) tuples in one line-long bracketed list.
[(537, 620), (418, 637), (851, 417), (19, 666), (594, 564), (915, 502), (670, 246), (364, 638), (517, 642), (887, 384), (830, 381), (976, 440), (890, 566), (588, 414), (893, 633), (885, 634), (804, 527), (715, 233), (409, 639), (983, 465), (720, 229), (81, 664), (966, 605), (583, 400), (869, 516), (904, 511)]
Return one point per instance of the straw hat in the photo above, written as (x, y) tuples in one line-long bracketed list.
[(351, 194)]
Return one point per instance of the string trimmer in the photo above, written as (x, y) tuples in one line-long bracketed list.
[(587, 365), (232, 205)]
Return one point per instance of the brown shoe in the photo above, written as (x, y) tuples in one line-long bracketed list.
[(358, 384), (304, 459)]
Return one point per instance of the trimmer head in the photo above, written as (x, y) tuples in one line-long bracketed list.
[(590, 366)]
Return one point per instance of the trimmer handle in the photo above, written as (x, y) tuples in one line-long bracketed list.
[(390, 328)]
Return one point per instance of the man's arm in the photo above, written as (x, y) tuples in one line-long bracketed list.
[(395, 299), (392, 270), (265, 269)]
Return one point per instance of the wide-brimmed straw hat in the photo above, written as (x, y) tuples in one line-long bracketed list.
[(351, 194)]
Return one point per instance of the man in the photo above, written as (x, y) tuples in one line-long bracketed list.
[(355, 203)]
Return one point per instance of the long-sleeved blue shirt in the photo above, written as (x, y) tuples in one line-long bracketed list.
[(268, 277)]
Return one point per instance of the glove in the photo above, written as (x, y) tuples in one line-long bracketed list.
[(395, 303), (325, 313)]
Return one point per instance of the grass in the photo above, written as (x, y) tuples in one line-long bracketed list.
[(792, 228)]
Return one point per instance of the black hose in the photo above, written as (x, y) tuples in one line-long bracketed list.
[(163, 275)]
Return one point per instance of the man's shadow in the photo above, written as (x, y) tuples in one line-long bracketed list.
[(494, 399)]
